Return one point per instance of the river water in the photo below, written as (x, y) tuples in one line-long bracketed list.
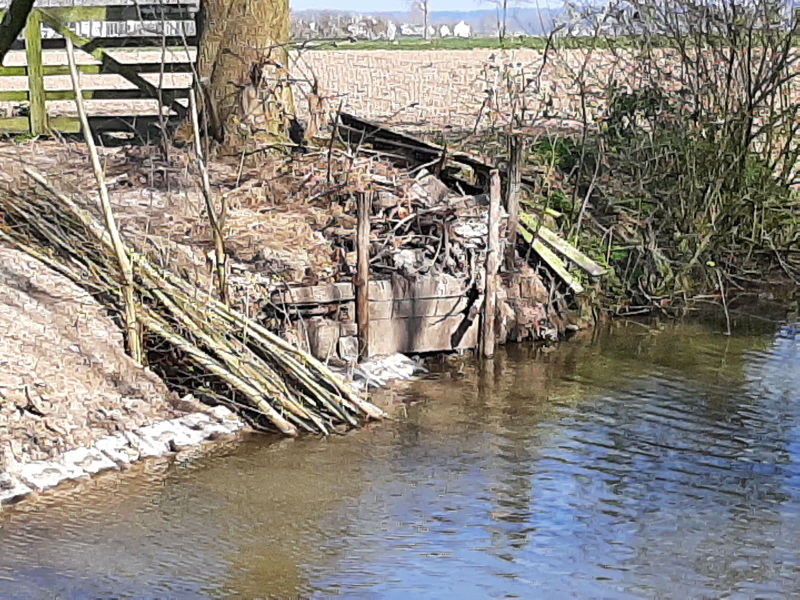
[(640, 462)]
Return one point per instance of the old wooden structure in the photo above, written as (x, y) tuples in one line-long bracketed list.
[(431, 310), (428, 315)]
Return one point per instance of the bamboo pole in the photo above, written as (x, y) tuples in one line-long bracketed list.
[(516, 152), (362, 278), (492, 265), (220, 258), (131, 327)]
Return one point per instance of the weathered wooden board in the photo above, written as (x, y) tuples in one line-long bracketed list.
[(404, 316), (419, 334), (417, 307), (553, 261), (123, 94), (561, 245), (397, 288), (170, 67), (12, 125), (315, 294)]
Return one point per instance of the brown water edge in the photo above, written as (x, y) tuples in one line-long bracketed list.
[(646, 460)]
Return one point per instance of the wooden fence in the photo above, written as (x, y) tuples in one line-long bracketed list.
[(118, 35)]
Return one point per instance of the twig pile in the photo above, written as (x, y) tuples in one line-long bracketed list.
[(196, 341), (421, 227)]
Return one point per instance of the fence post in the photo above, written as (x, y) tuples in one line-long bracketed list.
[(516, 153), (492, 265), (362, 277), (33, 55)]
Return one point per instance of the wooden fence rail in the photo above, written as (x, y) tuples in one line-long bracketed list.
[(166, 29)]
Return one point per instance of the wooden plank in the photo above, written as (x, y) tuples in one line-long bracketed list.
[(431, 286), (420, 149), (387, 309), (420, 334), (398, 288), (550, 258), (22, 96), (174, 67), (14, 96), (315, 294), (102, 123), (167, 94), (417, 307), (13, 71), (416, 150), (126, 42), (127, 71), (33, 57), (14, 125), (561, 246), (175, 12), (78, 13), (66, 124)]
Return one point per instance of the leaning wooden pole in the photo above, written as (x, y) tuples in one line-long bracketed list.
[(516, 152), (362, 276), (492, 266), (216, 221), (131, 326)]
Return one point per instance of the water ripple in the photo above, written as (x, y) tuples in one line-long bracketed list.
[(644, 465)]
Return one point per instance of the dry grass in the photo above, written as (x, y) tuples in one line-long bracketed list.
[(278, 211)]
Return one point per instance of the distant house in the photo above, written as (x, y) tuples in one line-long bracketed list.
[(407, 30), (444, 31), (462, 30)]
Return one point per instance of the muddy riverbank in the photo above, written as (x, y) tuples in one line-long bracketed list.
[(73, 403)]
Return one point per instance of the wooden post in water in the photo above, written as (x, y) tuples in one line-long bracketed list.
[(516, 152), (33, 56), (492, 265), (362, 275)]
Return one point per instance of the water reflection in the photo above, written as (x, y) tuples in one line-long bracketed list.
[(643, 462)]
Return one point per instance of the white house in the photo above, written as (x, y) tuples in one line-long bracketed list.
[(462, 30), (444, 31)]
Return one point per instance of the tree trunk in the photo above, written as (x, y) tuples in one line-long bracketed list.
[(12, 23), (425, 34), (243, 69), (504, 22)]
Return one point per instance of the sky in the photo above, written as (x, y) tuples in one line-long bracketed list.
[(386, 5)]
